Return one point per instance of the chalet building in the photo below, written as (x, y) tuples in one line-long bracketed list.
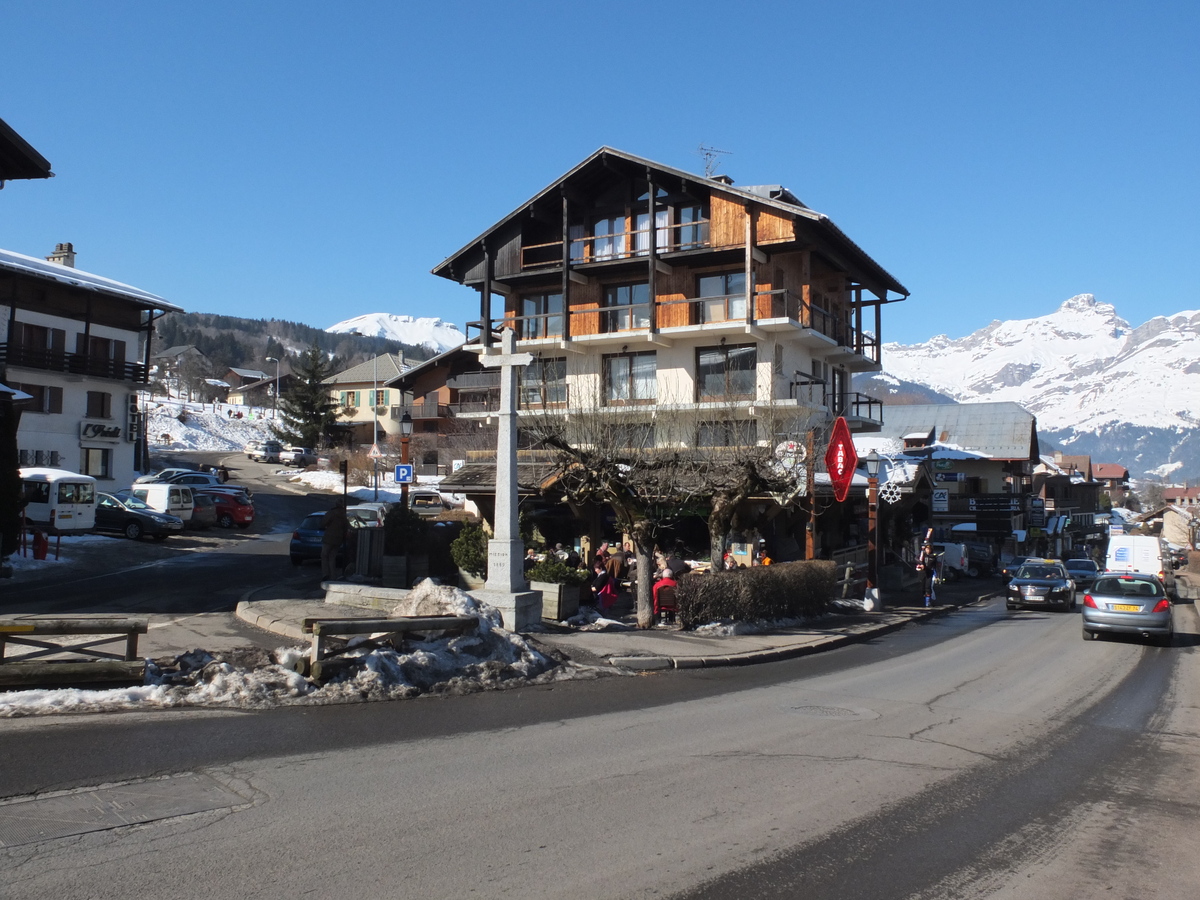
[(1184, 497), (1070, 498), (982, 457), (238, 377), (1115, 480), (261, 392), (642, 289), (79, 345), (365, 402), (444, 396)]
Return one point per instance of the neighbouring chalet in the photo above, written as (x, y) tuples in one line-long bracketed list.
[(641, 289), (262, 392), (366, 407), (1069, 496), (79, 344), (1115, 479), (982, 457)]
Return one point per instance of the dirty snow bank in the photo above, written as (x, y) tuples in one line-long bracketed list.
[(490, 659)]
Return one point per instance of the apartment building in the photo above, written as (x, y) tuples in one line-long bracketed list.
[(79, 345), (642, 288)]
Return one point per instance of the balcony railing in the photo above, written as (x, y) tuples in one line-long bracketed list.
[(854, 405), (75, 363), (618, 245), (424, 410)]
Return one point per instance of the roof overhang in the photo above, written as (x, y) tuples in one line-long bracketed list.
[(18, 159), (48, 271)]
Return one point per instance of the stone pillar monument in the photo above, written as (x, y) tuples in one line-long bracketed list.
[(506, 587)]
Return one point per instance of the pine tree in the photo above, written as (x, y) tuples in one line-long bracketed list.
[(307, 411)]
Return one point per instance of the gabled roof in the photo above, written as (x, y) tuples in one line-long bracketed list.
[(248, 373), (1003, 431), (40, 268), (379, 371), (774, 196), (447, 358), (172, 352), (18, 159), (1110, 471)]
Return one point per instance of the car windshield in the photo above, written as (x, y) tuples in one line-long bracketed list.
[(1129, 587), (1038, 572), (132, 503), (1081, 565)]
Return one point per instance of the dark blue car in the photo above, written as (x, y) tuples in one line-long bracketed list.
[(306, 540)]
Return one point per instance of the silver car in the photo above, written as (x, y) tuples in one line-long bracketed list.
[(1128, 603)]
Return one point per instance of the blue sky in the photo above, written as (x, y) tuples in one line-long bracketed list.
[(313, 161)]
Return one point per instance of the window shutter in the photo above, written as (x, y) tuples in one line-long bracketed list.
[(106, 406), (81, 346), (54, 399)]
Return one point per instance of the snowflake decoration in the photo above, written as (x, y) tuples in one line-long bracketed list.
[(890, 493)]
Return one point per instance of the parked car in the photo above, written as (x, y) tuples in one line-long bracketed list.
[(298, 456), (133, 518), (427, 503), (251, 448), (267, 452), (232, 508), (173, 499), (955, 562), (367, 515), (1083, 572), (1128, 603), (165, 475), (1041, 583), (59, 500), (204, 511), (202, 480), (306, 541)]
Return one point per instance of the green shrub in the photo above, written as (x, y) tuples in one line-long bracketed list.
[(470, 550), (404, 532), (553, 570), (781, 591)]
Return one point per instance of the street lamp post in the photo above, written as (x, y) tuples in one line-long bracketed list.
[(872, 462), (405, 434), (275, 399)]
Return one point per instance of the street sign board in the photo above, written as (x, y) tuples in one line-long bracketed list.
[(404, 474), (841, 459), (374, 453), (941, 500)]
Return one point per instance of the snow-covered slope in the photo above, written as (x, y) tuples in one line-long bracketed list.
[(1091, 379), (429, 332), (1081, 367)]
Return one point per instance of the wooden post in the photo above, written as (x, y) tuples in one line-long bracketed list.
[(749, 263), (566, 267), (485, 299), (810, 466), (652, 289)]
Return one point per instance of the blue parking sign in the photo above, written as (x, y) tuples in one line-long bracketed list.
[(404, 474)]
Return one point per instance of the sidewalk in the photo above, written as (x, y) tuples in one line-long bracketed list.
[(658, 648)]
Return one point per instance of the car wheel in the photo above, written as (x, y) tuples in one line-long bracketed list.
[(973, 571), (296, 560), (133, 531), (226, 521)]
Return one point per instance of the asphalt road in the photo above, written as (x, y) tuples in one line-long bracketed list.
[(982, 754), (189, 576)]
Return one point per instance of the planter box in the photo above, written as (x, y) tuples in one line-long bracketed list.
[(404, 571), (469, 582), (559, 601)]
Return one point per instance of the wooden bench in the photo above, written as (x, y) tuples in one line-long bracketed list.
[(330, 637), (37, 632)]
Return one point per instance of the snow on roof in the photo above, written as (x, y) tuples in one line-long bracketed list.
[(248, 373), (31, 265), (16, 395)]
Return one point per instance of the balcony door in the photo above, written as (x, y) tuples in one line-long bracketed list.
[(723, 297)]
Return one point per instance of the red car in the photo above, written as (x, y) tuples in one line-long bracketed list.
[(233, 508)]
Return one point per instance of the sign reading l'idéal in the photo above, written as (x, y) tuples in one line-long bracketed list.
[(99, 431), (841, 459)]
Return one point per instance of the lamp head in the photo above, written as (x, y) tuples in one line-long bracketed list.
[(872, 461)]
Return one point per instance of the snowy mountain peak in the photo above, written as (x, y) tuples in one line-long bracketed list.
[(428, 332), (1082, 370)]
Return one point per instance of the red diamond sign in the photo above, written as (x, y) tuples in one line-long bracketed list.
[(841, 460)]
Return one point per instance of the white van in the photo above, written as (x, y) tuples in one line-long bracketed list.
[(1141, 553), (175, 499), (59, 501)]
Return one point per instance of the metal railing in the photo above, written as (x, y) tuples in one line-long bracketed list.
[(617, 245), (852, 404), (75, 363)]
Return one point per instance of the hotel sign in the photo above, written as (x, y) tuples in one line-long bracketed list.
[(99, 431)]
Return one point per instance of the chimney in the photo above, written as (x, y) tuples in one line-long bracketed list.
[(64, 255), (722, 179)]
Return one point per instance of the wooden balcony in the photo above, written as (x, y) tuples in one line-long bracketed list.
[(617, 245), (74, 363)]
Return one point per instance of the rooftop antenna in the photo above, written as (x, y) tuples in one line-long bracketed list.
[(711, 161)]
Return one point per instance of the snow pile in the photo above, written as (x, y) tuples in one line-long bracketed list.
[(488, 659), (174, 425), (729, 628), (591, 619), (423, 332)]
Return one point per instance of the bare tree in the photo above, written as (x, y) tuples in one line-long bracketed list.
[(649, 463)]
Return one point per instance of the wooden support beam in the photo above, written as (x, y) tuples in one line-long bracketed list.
[(566, 266), (662, 268), (578, 278)]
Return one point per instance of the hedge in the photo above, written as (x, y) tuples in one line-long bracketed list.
[(789, 590)]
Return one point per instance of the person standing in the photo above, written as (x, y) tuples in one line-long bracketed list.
[(337, 528), (927, 566)]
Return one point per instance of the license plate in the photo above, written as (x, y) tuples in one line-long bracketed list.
[(1125, 607)]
